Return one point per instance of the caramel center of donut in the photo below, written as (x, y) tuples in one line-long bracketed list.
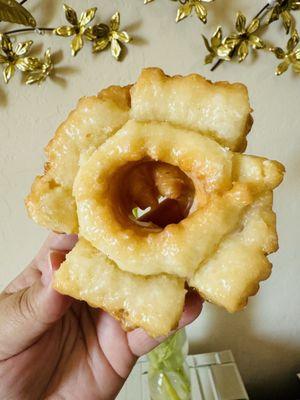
[(152, 194)]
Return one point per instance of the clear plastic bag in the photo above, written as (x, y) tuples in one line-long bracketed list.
[(168, 376)]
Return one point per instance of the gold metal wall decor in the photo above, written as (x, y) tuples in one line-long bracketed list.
[(17, 57), (81, 29)]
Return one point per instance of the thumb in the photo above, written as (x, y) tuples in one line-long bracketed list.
[(28, 313)]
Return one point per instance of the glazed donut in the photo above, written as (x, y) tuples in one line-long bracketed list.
[(152, 178)]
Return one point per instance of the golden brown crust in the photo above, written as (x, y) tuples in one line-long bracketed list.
[(120, 95), (259, 173), (87, 127), (94, 120), (232, 274), (52, 206), (220, 248), (136, 301), (196, 156), (219, 110)]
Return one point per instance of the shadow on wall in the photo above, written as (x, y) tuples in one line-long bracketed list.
[(224, 13), (46, 10), (3, 98), (273, 365)]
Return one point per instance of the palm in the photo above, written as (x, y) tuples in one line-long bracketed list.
[(53, 348), (71, 360)]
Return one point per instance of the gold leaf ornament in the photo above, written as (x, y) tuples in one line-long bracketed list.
[(239, 42), (77, 28), (102, 35), (290, 57), (282, 10), (12, 57), (188, 6), (39, 70), (213, 45), (12, 11)]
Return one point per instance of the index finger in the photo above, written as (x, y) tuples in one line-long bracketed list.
[(55, 241), (40, 264)]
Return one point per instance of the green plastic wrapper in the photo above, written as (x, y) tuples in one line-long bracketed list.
[(168, 376)]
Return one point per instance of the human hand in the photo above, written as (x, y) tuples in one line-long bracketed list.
[(53, 347)]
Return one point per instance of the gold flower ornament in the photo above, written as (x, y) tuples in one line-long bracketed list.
[(77, 28), (13, 57), (103, 35), (213, 45), (290, 57), (40, 69), (282, 9), (239, 42), (188, 6)]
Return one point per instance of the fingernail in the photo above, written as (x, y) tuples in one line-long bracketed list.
[(55, 258)]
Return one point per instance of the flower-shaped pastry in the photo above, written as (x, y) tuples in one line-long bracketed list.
[(152, 178)]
